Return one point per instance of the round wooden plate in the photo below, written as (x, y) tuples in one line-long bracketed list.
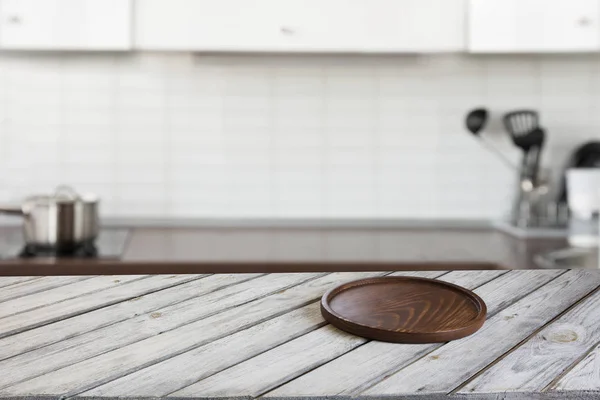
[(404, 309)]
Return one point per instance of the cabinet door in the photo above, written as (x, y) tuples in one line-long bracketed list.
[(534, 25), (301, 25), (65, 24), (378, 25), (211, 25)]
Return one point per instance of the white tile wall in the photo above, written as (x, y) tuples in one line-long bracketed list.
[(177, 135)]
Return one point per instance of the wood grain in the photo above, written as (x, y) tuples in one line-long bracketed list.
[(62, 293), (441, 369), (281, 364), (585, 375), (372, 362), (90, 373), (146, 296), (404, 309), (7, 281), (164, 377), (532, 366), (250, 336), (88, 302), (274, 367), (160, 321), (37, 285)]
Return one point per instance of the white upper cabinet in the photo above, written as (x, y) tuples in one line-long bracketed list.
[(301, 25), (505, 26), (65, 24)]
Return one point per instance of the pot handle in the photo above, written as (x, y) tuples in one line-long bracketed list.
[(67, 191), (13, 210)]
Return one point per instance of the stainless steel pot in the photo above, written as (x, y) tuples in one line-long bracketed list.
[(65, 219)]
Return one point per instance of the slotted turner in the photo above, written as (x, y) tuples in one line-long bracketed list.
[(520, 124)]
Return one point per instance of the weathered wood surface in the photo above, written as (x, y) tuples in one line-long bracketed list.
[(369, 364), (585, 375), (259, 335)]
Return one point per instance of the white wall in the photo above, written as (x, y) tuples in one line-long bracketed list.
[(177, 135)]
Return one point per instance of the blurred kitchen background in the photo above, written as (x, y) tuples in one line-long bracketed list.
[(299, 109)]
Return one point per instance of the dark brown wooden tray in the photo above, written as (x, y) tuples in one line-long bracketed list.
[(404, 309)]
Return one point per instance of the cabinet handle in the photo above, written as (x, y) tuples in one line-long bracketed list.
[(286, 30), (584, 21), (14, 19)]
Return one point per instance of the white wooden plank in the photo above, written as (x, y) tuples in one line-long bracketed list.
[(171, 290), (536, 363), (368, 364), (474, 279), (37, 285), (421, 274), (62, 293), (11, 280), (299, 357), (90, 301), (166, 377), (82, 347), (85, 375), (446, 368), (274, 367), (585, 375)]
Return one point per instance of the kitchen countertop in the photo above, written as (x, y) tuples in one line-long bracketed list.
[(252, 335), (299, 249)]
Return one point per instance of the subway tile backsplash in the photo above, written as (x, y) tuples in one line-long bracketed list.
[(163, 135)]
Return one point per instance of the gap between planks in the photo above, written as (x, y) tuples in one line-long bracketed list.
[(442, 274), (334, 356), (532, 335), (338, 277), (312, 303), (74, 313), (500, 273), (9, 281), (449, 366), (499, 307), (40, 285), (212, 292), (459, 387), (304, 280), (570, 368), (34, 330)]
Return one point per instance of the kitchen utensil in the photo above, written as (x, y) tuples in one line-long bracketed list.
[(535, 140), (523, 127), (525, 132), (62, 220), (475, 122), (519, 123), (404, 309)]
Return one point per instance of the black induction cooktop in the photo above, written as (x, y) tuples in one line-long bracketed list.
[(110, 244)]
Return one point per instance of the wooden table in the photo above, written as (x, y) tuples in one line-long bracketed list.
[(262, 335)]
